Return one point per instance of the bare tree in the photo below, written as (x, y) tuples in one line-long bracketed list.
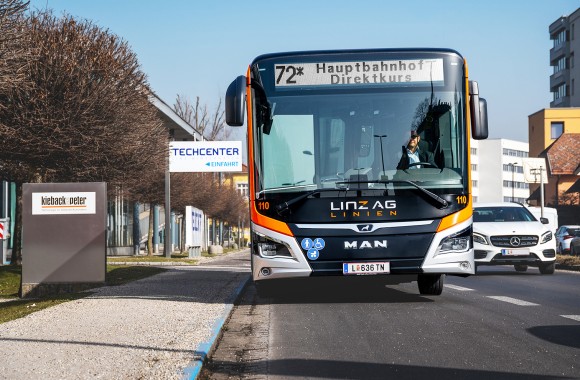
[(211, 126), (15, 50), (86, 115)]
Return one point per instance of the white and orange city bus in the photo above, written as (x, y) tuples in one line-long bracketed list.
[(336, 186)]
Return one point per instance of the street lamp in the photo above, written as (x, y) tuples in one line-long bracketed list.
[(513, 165)]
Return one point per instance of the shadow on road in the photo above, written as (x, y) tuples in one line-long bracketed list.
[(330, 369), (339, 290), (565, 335)]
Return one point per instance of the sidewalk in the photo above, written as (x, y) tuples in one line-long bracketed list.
[(160, 327)]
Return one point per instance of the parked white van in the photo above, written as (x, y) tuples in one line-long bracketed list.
[(550, 213)]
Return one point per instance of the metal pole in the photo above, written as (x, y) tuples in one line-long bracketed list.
[(167, 213), (541, 193), (513, 165), (156, 229)]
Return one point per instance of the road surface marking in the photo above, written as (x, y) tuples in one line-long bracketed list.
[(456, 287), (515, 301), (574, 317)]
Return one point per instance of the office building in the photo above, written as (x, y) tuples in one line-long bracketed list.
[(493, 156), (565, 78)]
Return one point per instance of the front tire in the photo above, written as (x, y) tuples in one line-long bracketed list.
[(431, 284), (547, 268)]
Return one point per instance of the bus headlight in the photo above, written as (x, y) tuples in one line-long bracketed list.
[(459, 242), (267, 247)]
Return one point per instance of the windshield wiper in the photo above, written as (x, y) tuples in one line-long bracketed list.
[(432, 195), (284, 206)]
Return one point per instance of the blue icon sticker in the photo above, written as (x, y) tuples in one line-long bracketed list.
[(312, 247), (313, 254), (307, 244), (319, 243)]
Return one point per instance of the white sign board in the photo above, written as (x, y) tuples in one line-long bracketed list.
[(359, 73), (194, 227), (63, 203), (205, 156), (533, 169)]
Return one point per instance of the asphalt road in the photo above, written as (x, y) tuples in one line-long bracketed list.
[(498, 324)]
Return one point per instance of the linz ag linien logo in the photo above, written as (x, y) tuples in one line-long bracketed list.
[(365, 244), (362, 208)]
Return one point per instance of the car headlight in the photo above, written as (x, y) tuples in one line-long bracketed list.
[(479, 238), (459, 242), (546, 237), (267, 247)]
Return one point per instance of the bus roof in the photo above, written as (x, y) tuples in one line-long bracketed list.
[(355, 51)]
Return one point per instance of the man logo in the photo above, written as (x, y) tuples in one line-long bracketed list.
[(365, 244), (364, 227)]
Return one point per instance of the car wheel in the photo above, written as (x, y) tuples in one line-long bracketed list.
[(431, 284), (520, 267), (559, 250), (547, 268)]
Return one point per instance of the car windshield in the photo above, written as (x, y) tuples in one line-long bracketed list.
[(502, 214)]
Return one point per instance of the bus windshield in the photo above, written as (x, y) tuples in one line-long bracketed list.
[(331, 137)]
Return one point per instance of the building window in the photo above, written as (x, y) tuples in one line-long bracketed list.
[(474, 183), (559, 38), (560, 92), (556, 129), (243, 189), (514, 153), (473, 167), (474, 151), (560, 65), (517, 169)]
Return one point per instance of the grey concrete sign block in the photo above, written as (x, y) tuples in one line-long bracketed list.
[(64, 237)]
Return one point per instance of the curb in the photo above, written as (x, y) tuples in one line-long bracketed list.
[(573, 268), (153, 263), (193, 369)]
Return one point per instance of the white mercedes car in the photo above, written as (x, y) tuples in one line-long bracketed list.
[(508, 234)]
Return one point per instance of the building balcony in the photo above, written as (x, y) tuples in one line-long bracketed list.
[(558, 52), (562, 102), (558, 79)]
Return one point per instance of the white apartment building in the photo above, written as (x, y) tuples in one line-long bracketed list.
[(497, 172)]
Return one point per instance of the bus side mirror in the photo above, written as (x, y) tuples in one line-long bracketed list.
[(478, 108), (235, 97)]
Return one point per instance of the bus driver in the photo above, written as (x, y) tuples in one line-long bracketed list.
[(413, 154)]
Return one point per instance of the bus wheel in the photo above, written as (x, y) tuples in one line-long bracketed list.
[(431, 284)]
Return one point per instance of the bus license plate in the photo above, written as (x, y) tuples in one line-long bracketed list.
[(515, 252), (366, 268)]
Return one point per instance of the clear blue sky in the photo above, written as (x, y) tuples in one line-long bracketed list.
[(196, 48)]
